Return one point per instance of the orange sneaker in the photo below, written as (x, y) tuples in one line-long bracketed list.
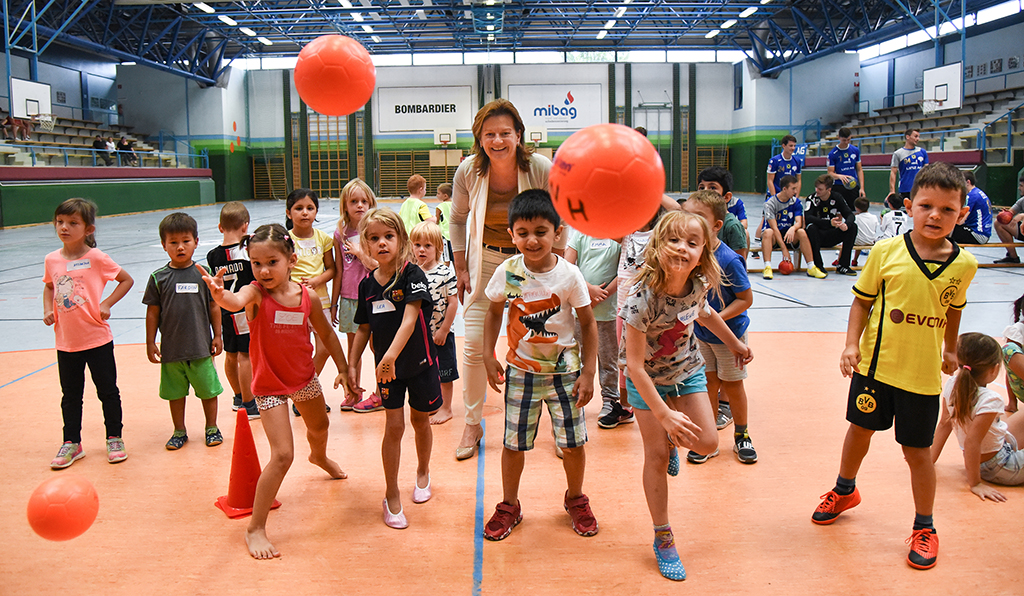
[(924, 548), (833, 504)]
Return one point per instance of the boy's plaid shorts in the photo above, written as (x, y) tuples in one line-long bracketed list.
[(525, 393)]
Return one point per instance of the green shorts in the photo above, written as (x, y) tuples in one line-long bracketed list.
[(346, 314), (175, 378)]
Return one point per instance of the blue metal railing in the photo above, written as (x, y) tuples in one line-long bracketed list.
[(983, 133), (42, 153)]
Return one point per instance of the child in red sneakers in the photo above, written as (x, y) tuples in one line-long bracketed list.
[(544, 365), (75, 277), (902, 333), (665, 378)]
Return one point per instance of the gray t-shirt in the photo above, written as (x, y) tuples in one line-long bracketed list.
[(671, 354), (184, 300)]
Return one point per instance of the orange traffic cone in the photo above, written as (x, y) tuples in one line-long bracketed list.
[(245, 472)]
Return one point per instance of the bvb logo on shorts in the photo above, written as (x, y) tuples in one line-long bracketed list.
[(866, 403), (947, 296)]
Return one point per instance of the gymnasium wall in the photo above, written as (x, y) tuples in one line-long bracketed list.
[(154, 101)]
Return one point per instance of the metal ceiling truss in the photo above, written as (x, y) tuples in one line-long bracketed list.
[(183, 39)]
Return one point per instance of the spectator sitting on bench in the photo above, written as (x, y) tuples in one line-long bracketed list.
[(977, 228), (895, 221), (1010, 231), (100, 146), (17, 128), (126, 150), (867, 226), (783, 225), (829, 222)]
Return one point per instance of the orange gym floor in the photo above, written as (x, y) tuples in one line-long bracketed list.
[(740, 528)]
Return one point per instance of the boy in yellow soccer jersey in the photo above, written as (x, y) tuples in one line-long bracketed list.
[(903, 329)]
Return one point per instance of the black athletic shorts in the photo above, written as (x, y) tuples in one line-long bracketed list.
[(424, 391), (874, 405), (447, 362)]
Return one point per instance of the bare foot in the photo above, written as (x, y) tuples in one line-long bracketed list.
[(259, 545), (471, 435), (330, 466), (441, 416)]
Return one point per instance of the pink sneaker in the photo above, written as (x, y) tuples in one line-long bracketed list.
[(348, 403), (370, 404), (115, 450), (69, 453)]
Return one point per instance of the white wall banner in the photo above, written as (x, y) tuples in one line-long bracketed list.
[(401, 109), (559, 107)]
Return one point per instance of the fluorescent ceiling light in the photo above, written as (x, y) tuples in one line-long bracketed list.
[(728, 23), (247, 31), (765, 1), (421, 15), (490, 27), (490, 16), (367, 28), (489, 2), (204, 7), (609, 24), (620, 11), (712, 33), (264, 41), (227, 20), (748, 11), (490, 37), (602, 33), (375, 38), (357, 17), (345, 3)]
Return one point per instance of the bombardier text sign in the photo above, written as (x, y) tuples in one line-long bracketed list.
[(402, 109)]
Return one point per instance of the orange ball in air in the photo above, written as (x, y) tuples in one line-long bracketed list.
[(607, 181), (334, 75)]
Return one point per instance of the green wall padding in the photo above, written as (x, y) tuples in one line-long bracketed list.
[(24, 204)]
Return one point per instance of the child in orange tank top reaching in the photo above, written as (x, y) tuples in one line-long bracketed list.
[(280, 312)]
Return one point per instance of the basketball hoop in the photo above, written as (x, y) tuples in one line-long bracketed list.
[(45, 121), (930, 106)]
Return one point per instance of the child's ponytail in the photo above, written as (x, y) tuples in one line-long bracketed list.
[(977, 353), (1018, 309)]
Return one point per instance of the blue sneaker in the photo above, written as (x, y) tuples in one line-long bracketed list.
[(668, 562)]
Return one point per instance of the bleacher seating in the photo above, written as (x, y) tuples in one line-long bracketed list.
[(947, 130), (70, 143)]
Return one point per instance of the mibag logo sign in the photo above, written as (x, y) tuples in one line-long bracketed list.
[(558, 113)]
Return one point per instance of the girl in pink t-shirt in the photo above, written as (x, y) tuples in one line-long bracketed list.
[(280, 313), (73, 303), (353, 264)]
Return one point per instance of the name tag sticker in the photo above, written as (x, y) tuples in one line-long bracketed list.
[(600, 243), (283, 317), (79, 264), (241, 323), (186, 288), (382, 306), (535, 295), (689, 315)]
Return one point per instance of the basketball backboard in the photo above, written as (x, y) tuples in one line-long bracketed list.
[(944, 84), (29, 98)]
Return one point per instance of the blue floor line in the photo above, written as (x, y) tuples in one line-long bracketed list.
[(478, 526), (783, 294), (28, 375)]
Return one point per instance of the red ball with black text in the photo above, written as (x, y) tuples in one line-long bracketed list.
[(334, 75), (607, 181)]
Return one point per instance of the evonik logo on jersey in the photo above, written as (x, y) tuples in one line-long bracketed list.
[(898, 316), (551, 110)]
